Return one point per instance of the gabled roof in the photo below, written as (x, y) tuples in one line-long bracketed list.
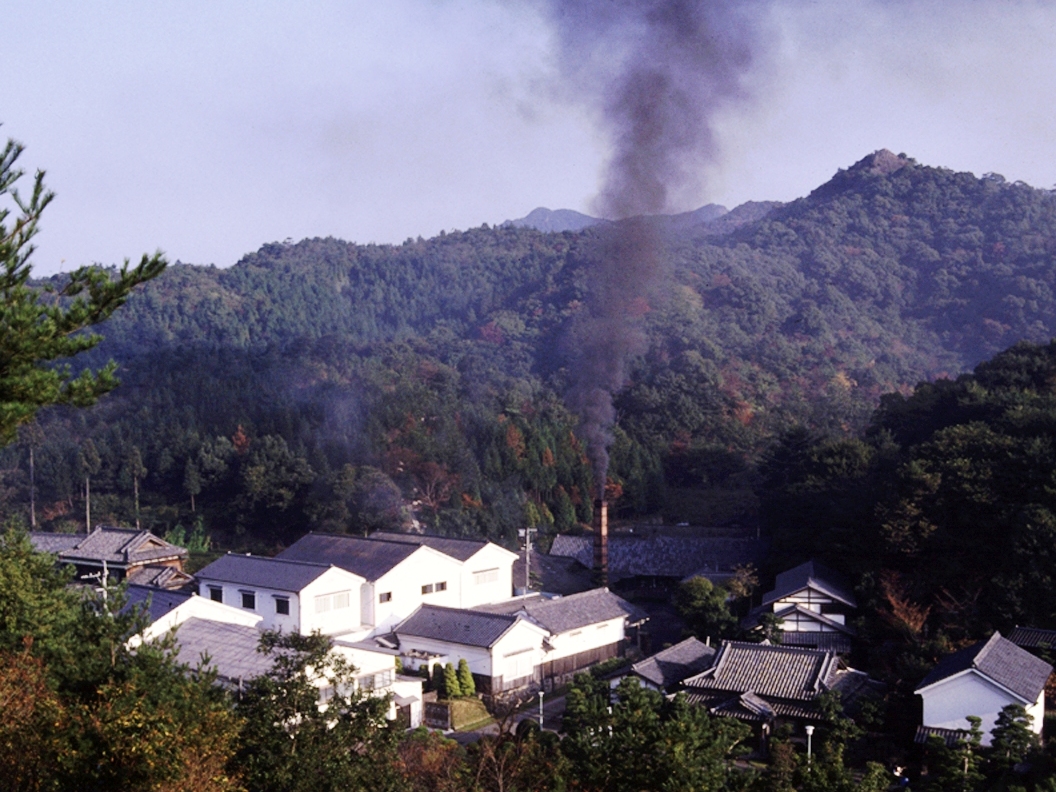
[(457, 625), (1001, 661), (369, 558), (231, 648), (800, 610), (1033, 638), (459, 549), (780, 671), (274, 573), (160, 600), (675, 663), (561, 614), (814, 575), (661, 556), (117, 546), (165, 577)]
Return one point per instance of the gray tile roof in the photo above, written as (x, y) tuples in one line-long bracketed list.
[(166, 577), (661, 556), (117, 546), (45, 542), (1033, 638), (828, 642), (368, 558), (773, 671), (456, 625), (949, 736), (999, 659), (231, 648), (675, 663), (159, 601), (561, 614), (461, 549), (810, 573), (275, 573)]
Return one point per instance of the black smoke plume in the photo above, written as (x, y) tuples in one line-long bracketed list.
[(659, 70)]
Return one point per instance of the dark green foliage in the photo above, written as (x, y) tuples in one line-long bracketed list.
[(39, 328), (705, 609), (643, 741), (290, 743)]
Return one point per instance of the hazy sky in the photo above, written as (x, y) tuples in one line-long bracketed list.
[(209, 128)]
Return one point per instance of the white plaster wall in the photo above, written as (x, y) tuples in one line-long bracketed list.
[(265, 603), (490, 557), (336, 620), (405, 581), (948, 703), (589, 637), (478, 658)]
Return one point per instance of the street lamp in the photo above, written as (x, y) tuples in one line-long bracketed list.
[(540, 710), (810, 732)]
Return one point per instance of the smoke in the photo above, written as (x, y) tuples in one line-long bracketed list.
[(659, 71)]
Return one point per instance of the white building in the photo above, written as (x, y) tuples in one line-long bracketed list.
[(981, 680), (404, 571), (526, 642), (292, 596), (811, 606)]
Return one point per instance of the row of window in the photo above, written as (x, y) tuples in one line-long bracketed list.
[(429, 588), (323, 603)]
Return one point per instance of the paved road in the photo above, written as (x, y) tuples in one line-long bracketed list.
[(553, 709)]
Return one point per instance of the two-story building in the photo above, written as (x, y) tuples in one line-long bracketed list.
[(293, 596)]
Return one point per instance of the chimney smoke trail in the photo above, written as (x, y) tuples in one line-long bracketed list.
[(660, 70)]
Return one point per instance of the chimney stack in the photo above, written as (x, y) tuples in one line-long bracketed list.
[(601, 540)]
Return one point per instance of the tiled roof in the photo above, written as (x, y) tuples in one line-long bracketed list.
[(999, 659), (675, 663), (561, 614), (780, 671), (661, 556), (118, 546), (1033, 638), (160, 601), (751, 707), (45, 542), (949, 736), (230, 648), (274, 573), (165, 577), (456, 625), (460, 549), (828, 642), (813, 574), (368, 558)]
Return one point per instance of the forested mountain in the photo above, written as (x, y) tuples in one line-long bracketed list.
[(326, 383)]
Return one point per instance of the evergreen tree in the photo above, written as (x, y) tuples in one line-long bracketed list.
[(466, 685), (452, 690)]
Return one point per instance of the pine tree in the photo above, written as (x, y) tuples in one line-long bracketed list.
[(437, 682), (465, 679)]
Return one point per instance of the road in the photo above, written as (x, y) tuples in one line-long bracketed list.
[(553, 709)]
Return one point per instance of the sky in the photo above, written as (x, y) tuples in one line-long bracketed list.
[(207, 129)]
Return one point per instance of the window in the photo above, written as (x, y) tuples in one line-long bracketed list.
[(216, 593), (382, 679), (249, 600), (486, 576), (325, 602), (441, 586), (385, 597), (282, 606), (429, 588)]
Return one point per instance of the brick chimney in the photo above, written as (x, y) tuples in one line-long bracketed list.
[(601, 541)]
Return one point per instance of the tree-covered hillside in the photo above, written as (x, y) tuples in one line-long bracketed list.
[(337, 385)]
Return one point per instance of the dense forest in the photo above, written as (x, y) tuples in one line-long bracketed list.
[(339, 386)]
